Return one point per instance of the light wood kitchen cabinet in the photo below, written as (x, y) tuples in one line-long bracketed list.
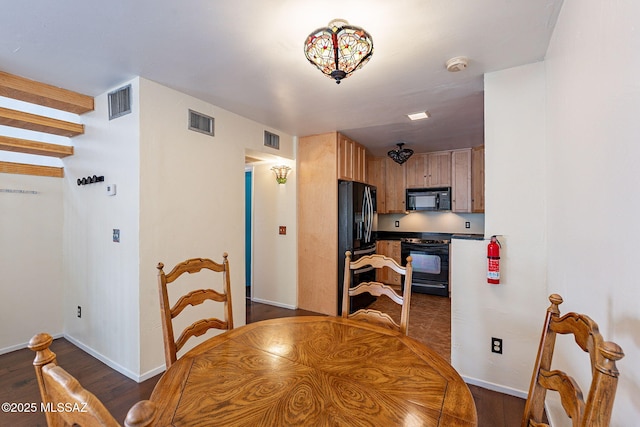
[(461, 180), (352, 160), (416, 171), (439, 165), (429, 170), (392, 249), (316, 173), (376, 168), (477, 179), (395, 187)]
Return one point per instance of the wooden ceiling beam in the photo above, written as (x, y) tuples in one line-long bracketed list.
[(18, 145), (43, 94), (25, 169), (22, 120)]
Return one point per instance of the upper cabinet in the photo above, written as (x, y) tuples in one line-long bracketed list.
[(395, 187), (477, 179), (389, 179), (352, 160), (376, 176), (462, 170), (461, 180), (429, 170)]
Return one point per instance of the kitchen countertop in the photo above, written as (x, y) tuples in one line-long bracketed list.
[(467, 236), (397, 235)]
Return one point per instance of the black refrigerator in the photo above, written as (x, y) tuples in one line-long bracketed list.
[(356, 213)]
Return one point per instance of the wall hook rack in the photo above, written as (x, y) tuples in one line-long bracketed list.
[(90, 180)]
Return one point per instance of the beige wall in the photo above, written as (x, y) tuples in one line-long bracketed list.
[(515, 210), (593, 200), (30, 259), (564, 132), (274, 255), (100, 275), (192, 204), (180, 194)]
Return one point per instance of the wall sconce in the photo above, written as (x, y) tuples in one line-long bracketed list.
[(281, 173)]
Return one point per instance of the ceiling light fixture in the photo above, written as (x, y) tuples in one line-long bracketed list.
[(339, 49), (419, 116), (400, 155)]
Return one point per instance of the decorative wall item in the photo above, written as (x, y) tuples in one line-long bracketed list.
[(90, 180), (281, 173)]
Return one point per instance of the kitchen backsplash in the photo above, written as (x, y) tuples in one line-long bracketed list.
[(432, 222)]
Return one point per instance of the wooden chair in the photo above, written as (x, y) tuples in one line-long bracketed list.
[(67, 403), (378, 289), (195, 297), (596, 411)]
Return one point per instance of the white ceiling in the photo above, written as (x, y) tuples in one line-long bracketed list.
[(246, 57)]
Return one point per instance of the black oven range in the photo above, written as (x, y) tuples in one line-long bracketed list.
[(430, 260)]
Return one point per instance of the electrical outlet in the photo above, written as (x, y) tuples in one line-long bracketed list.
[(467, 224), (79, 311), (496, 345), (282, 229)]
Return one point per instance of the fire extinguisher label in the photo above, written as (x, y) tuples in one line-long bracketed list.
[(493, 272)]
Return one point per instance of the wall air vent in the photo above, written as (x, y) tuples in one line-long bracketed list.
[(120, 102), (271, 140), (200, 123)]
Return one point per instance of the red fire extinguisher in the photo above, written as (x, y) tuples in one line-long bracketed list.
[(493, 261)]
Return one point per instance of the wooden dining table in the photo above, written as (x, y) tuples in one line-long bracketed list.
[(313, 371)]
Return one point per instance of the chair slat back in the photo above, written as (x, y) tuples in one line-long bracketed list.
[(67, 403), (172, 345), (596, 410), (378, 289)]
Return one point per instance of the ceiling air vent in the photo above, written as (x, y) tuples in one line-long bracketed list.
[(271, 140), (120, 102), (200, 123)]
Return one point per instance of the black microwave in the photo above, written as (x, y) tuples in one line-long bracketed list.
[(429, 199)]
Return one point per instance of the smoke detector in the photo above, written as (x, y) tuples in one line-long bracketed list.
[(458, 63)]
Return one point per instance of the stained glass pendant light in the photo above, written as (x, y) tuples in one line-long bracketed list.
[(339, 49), (400, 155)]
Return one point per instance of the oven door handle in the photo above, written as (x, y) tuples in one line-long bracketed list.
[(363, 270), (365, 251)]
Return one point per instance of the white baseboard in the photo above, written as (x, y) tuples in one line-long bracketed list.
[(152, 373), (496, 387), (110, 363), (23, 345), (115, 366), (277, 304)]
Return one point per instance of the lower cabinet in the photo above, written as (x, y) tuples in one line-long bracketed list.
[(390, 248)]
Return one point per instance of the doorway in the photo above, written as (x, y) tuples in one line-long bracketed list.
[(248, 210)]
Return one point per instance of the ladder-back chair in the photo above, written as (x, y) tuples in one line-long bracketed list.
[(67, 403), (377, 289), (194, 297), (596, 410)]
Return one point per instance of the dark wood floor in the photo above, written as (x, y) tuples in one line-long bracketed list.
[(118, 393)]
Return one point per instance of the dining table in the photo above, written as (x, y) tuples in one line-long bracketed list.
[(312, 371)]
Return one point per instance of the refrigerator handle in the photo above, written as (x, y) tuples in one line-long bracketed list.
[(364, 214), (369, 214)]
